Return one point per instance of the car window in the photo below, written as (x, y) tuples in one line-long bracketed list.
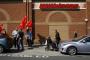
[(79, 38), (87, 39)]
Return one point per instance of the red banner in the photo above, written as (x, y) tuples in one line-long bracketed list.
[(59, 6), (29, 24), (23, 23)]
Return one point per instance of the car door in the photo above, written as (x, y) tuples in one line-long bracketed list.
[(82, 46), (87, 43)]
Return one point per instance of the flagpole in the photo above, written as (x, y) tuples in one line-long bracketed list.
[(28, 9), (33, 20)]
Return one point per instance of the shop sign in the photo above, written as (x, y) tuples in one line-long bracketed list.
[(59, 0), (59, 6)]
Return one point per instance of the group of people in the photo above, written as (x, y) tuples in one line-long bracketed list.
[(53, 44), (18, 37)]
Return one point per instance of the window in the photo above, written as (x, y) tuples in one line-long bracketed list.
[(87, 39)]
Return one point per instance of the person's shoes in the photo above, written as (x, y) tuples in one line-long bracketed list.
[(18, 50), (22, 49)]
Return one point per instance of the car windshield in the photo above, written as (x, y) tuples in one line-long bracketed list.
[(79, 38)]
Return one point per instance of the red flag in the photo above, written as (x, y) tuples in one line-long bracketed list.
[(23, 23), (21, 26), (29, 24), (24, 20)]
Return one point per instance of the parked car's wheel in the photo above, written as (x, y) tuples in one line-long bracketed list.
[(1, 49), (71, 51)]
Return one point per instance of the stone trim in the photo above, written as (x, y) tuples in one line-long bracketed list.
[(68, 17), (65, 23), (5, 22), (5, 14), (61, 23)]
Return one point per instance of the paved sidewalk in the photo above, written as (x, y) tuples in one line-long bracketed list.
[(39, 51), (35, 52)]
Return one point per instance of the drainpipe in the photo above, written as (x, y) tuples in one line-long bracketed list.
[(33, 20)]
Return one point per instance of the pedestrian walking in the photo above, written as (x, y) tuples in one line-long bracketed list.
[(57, 37)]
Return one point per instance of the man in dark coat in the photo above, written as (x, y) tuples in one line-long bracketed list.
[(57, 37), (20, 38)]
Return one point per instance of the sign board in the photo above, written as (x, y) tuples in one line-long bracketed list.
[(59, 0), (60, 5)]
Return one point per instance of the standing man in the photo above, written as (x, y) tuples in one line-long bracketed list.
[(14, 34), (30, 34), (29, 37), (20, 38), (57, 37)]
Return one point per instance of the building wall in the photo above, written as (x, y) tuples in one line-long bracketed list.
[(14, 10), (12, 14), (74, 20)]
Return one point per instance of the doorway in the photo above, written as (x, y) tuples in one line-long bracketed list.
[(62, 29)]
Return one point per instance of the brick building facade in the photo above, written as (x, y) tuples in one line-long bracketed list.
[(46, 22)]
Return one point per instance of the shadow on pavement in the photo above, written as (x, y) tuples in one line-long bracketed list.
[(83, 54), (78, 54), (37, 46), (13, 51)]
